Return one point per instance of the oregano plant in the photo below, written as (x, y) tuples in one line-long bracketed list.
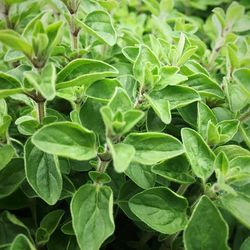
[(124, 125)]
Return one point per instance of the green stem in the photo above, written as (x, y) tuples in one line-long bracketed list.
[(182, 189), (217, 47), (41, 111), (245, 116), (244, 136)]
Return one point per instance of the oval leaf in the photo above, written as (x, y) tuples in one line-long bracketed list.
[(153, 147), (161, 209), (66, 139), (201, 232), (84, 72), (43, 173), (92, 215), (198, 153)]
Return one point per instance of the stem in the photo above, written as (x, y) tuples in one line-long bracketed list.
[(245, 116), (7, 19), (217, 47), (140, 97), (244, 136), (102, 166), (182, 189), (41, 111), (103, 160), (74, 33)]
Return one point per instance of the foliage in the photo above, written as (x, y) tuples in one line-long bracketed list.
[(124, 124)]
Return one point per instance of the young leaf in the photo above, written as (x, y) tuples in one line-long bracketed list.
[(48, 225), (15, 41), (161, 107), (22, 242), (120, 101), (44, 83), (43, 173), (167, 215), (227, 129), (91, 205), (122, 155), (201, 231), (145, 56), (66, 139), (153, 147), (99, 24), (198, 153), (10, 227), (205, 114), (169, 76)]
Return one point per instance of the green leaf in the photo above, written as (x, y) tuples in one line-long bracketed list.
[(11, 176), (141, 175), (242, 77), (9, 85), (48, 225), (205, 114), (84, 72), (201, 232), (6, 154), (175, 169), (227, 129), (99, 177), (205, 86), (122, 155), (91, 205), (198, 153), (153, 147), (232, 151), (120, 101), (246, 244), (234, 12), (43, 173), (66, 139), (169, 76), (221, 163), (10, 227), (99, 24), (238, 205), (153, 122), (178, 96), (238, 96), (103, 89), (213, 136), (161, 107), (54, 33), (45, 82), (22, 242), (90, 116), (127, 191), (15, 41), (161, 209), (144, 57), (131, 53), (131, 118)]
